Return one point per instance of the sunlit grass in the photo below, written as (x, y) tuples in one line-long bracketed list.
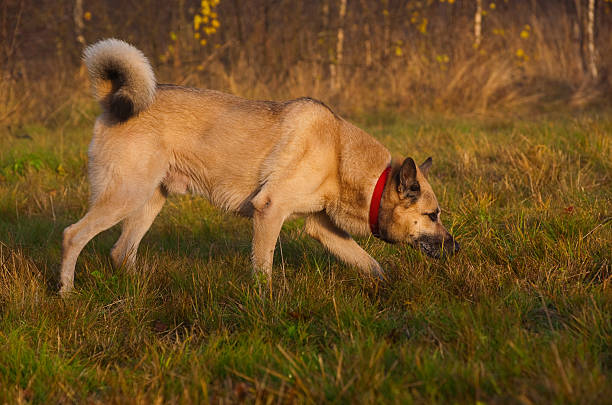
[(521, 315)]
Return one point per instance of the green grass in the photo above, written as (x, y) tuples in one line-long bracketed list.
[(521, 315)]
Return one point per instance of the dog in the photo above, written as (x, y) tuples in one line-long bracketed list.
[(266, 160)]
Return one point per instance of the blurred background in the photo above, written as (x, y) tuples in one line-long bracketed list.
[(448, 56)]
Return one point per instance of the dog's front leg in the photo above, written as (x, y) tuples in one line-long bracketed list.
[(268, 218), (340, 243)]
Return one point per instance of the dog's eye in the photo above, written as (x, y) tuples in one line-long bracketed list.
[(415, 187), (433, 215)]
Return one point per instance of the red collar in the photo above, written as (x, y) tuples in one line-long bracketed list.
[(375, 202)]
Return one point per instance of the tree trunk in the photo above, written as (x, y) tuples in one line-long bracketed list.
[(579, 35), (238, 17), (386, 28), (336, 71), (78, 32), (368, 34), (177, 63), (78, 24), (592, 62), (478, 24), (325, 53), (265, 36)]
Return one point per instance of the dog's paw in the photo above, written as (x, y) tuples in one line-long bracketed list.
[(66, 290), (261, 279), (377, 272)]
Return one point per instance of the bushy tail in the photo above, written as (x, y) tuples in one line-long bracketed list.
[(122, 79)]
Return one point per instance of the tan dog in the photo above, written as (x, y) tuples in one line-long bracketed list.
[(266, 160)]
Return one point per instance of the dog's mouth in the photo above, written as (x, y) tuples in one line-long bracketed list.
[(437, 247)]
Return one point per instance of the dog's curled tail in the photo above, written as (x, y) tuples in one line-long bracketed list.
[(122, 79)]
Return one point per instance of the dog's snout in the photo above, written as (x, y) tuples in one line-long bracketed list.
[(451, 246), (438, 247)]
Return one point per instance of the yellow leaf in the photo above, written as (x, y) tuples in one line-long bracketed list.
[(423, 26)]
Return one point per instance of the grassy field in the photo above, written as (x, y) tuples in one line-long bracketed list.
[(521, 315)]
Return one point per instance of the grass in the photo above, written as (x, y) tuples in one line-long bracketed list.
[(521, 315)]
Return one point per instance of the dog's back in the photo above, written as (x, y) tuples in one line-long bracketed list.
[(204, 137)]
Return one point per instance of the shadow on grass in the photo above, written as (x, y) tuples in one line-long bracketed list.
[(225, 235)]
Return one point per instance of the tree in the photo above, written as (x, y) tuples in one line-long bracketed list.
[(585, 27), (336, 68), (478, 24), (367, 33), (591, 40)]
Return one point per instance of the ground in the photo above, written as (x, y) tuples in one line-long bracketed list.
[(521, 315)]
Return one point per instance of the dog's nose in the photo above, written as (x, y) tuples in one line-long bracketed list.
[(451, 246)]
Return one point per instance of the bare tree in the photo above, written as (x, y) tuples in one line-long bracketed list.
[(584, 33), (78, 23), (367, 33), (78, 32), (336, 68), (386, 28), (325, 35), (590, 28), (238, 17), (478, 24)]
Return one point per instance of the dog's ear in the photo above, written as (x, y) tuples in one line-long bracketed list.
[(407, 185), (425, 166)]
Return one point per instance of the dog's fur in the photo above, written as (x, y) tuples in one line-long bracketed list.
[(266, 160)]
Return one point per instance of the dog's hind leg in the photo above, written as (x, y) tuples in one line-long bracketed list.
[(134, 228), (340, 243), (103, 214)]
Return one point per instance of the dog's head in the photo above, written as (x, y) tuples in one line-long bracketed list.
[(409, 211)]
